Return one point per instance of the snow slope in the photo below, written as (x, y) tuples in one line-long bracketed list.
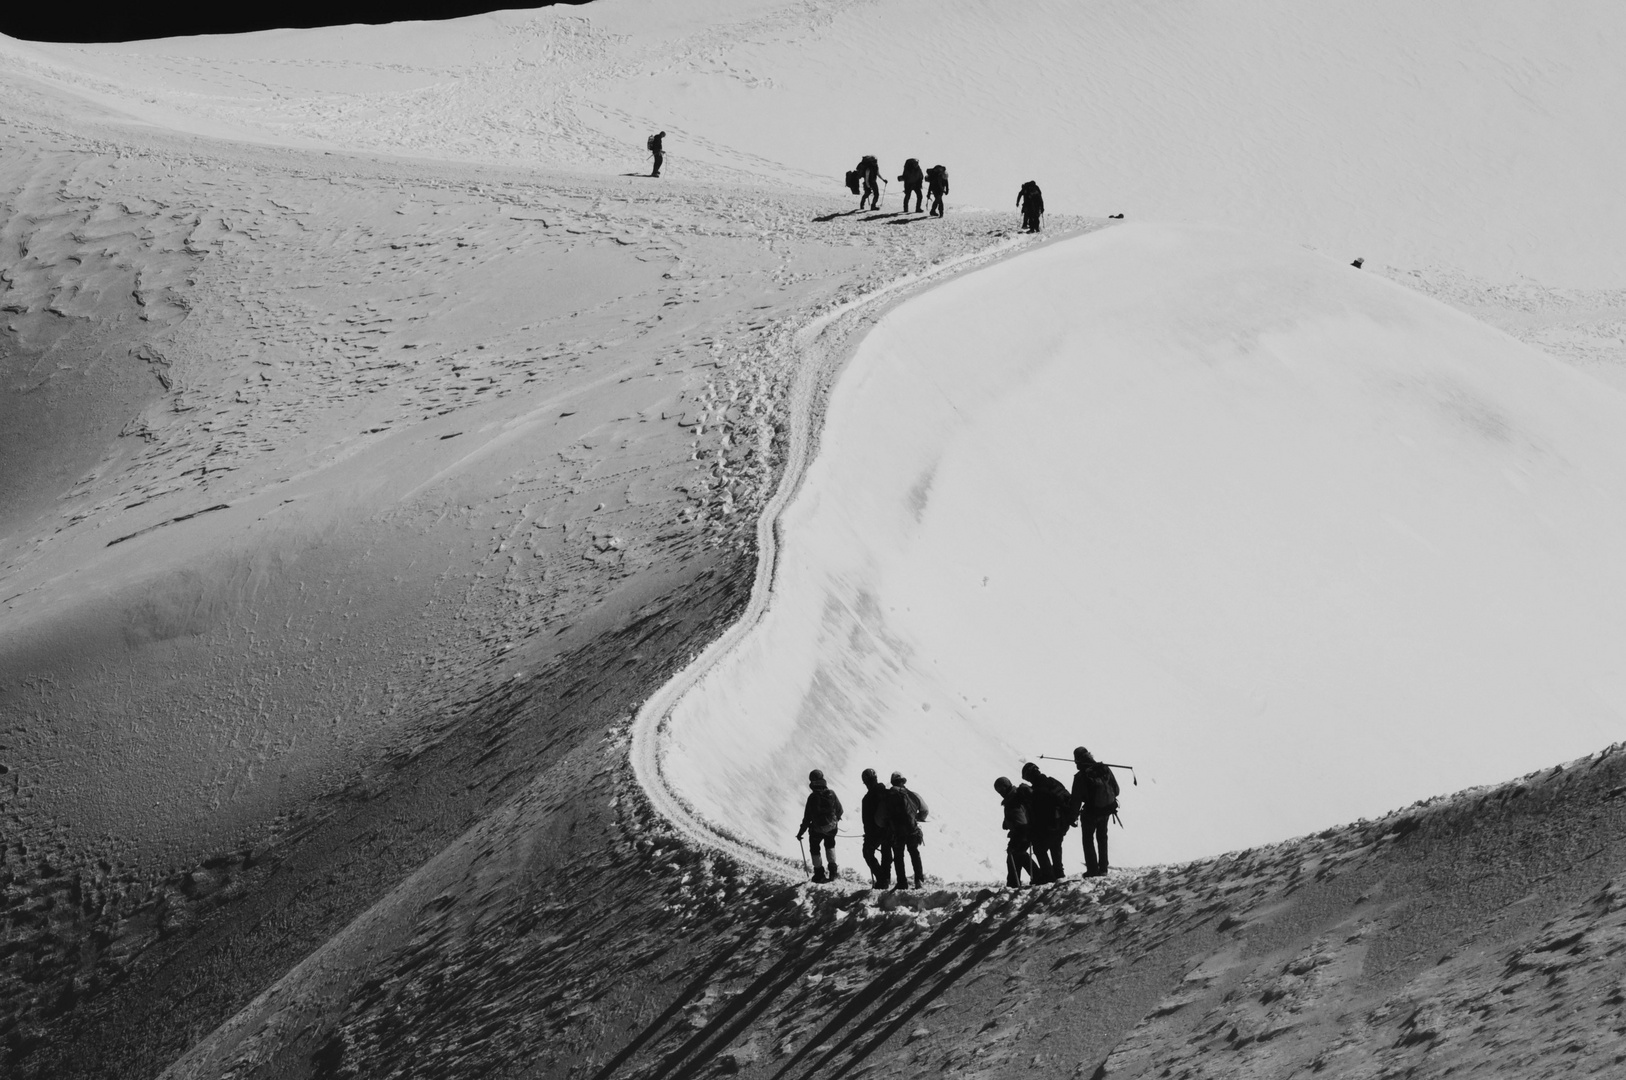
[(1296, 542), (1480, 135)]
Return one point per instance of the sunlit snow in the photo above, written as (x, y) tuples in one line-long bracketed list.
[(1297, 543)]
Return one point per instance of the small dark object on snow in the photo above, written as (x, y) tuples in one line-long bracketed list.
[(1357, 263), (654, 145), (1051, 814), (1115, 217), (1018, 802), (1095, 790), (937, 187), (903, 810), (877, 837), (869, 172), (821, 817), (911, 179), (1031, 200)]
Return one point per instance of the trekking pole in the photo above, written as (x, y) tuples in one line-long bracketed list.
[(803, 849), (1108, 764)]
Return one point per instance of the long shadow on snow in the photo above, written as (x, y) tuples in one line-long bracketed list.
[(747, 1005), (978, 952)]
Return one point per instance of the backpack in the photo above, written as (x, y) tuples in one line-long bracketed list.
[(868, 162), (1098, 790), (1061, 802), (911, 171), (826, 809), (649, 143), (938, 174), (852, 181), (917, 806)]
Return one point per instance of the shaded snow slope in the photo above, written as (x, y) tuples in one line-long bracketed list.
[(1484, 136), (1296, 542)]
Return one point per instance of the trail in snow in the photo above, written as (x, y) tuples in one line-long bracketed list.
[(825, 344)]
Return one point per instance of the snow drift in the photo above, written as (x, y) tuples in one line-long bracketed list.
[(1299, 544)]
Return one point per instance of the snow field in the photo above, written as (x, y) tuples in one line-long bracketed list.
[(1478, 136), (1299, 544)]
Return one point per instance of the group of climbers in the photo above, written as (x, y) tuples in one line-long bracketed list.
[(892, 817), (865, 181), (1038, 813), (1040, 810)]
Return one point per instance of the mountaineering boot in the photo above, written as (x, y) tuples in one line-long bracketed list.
[(835, 872), (919, 883), (818, 876)]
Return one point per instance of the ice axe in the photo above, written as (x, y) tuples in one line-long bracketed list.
[(803, 849), (1108, 764)]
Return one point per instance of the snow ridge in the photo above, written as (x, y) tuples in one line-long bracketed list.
[(824, 345)]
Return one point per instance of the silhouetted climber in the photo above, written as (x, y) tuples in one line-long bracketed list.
[(904, 811), (1031, 200), (869, 174), (654, 145), (1053, 814), (937, 187), (911, 179), (876, 836), (1016, 801), (1095, 790), (821, 818)]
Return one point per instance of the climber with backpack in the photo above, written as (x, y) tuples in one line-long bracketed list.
[(654, 145), (869, 175), (1031, 200), (936, 187), (876, 835), (821, 818), (911, 179), (905, 810), (1053, 814), (1017, 801), (1095, 791)]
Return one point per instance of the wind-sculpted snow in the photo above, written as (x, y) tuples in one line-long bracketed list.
[(1445, 133), (1296, 542)]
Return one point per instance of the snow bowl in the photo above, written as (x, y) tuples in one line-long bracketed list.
[(1297, 543)]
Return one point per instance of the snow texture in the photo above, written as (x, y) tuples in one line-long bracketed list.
[(1296, 542), (1479, 136)]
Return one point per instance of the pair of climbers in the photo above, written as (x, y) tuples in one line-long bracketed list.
[(1040, 810), (892, 817), (865, 182)]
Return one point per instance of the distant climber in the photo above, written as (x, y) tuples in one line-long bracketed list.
[(869, 175), (654, 145), (904, 812), (1095, 790), (821, 819), (1016, 800), (937, 187), (911, 179), (876, 836), (1052, 814), (1031, 200)]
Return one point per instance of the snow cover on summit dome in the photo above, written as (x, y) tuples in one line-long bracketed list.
[(1484, 136), (1296, 542)]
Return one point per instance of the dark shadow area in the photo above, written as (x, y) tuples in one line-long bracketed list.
[(880, 985), (837, 214), (883, 215), (43, 22), (906, 220)]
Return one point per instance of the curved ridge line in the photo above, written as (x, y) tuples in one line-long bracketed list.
[(817, 368)]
